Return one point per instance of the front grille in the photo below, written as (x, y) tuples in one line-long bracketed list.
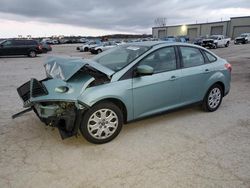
[(38, 88), (24, 91), (32, 88), (239, 40)]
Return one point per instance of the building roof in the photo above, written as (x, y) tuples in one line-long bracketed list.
[(202, 23)]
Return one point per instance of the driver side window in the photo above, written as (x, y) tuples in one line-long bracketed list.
[(7, 43), (161, 60)]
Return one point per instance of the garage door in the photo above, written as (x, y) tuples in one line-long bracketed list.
[(217, 30), (162, 34), (192, 33), (239, 30)]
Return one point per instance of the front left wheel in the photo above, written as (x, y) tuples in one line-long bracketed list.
[(102, 123)]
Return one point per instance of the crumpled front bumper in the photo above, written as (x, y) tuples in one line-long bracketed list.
[(31, 89), (64, 115)]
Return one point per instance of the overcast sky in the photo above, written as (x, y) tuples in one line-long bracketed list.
[(99, 17)]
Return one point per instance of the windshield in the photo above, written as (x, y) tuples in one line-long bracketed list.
[(214, 37), (119, 57), (243, 35), (1, 41)]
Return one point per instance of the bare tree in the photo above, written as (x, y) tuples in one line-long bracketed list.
[(160, 21)]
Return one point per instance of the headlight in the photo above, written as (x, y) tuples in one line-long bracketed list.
[(61, 89)]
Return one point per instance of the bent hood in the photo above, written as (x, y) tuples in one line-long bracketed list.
[(64, 68)]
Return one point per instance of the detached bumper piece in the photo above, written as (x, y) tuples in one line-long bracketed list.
[(32, 88)]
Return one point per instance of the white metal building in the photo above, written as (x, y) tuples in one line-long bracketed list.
[(232, 28)]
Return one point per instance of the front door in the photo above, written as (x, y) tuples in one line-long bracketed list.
[(6, 48), (160, 91)]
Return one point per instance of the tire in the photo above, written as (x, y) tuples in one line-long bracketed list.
[(99, 51), (227, 44), (92, 118), (213, 98), (215, 46), (86, 49), (32, 53)]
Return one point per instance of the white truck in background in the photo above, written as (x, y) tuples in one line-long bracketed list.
[(216, 41)]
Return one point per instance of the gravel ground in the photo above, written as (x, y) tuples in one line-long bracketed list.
[(185, 148)]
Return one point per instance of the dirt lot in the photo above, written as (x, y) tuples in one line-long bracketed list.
[(185, 148)]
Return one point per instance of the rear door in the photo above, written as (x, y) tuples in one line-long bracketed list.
[(160, 91), (195, 73)]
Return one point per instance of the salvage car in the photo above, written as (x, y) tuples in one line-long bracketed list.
[(216, 41), (128, 82), (103, 47), (86, 47), (242, 39), (45, 47), (27, 47)]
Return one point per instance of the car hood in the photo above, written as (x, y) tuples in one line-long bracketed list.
[(209, 39), (64, 68), (240, 37)]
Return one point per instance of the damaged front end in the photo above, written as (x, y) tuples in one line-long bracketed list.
[(61, 114), (55, 99)]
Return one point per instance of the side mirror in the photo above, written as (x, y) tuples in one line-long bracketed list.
[(144, 70)]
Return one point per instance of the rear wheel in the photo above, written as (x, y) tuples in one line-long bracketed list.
[(99, 51), (102, 123), (86, 49), (227, 44), (32, 53), (213, 98)]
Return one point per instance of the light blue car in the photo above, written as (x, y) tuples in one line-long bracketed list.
[(128, 82)]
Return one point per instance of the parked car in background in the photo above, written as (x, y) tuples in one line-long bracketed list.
[(175, 39), (103, 47), (125, 83), (20, 47), (83, 40), (198, 41), (244, 38), (46, 47), (88, 45), (216, 41)]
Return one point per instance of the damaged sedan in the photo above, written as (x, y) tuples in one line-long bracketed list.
[(128, 82)]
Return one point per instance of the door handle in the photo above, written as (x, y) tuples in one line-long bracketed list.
[(172, 78)]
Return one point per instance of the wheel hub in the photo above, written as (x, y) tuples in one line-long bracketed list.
[(102, 123)]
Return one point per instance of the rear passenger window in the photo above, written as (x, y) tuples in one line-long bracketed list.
[(30, 42), (210, 57), (161, 60), (191, 57)]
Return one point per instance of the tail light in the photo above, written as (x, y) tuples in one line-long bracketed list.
[(40, 47), (228, 67)]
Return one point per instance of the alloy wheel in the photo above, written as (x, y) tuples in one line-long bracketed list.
[(214, 98), (102, 123)]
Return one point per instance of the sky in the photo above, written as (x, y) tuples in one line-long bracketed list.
[(95, 17)]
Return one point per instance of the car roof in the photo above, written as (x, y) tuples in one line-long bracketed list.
[(160, 43)]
